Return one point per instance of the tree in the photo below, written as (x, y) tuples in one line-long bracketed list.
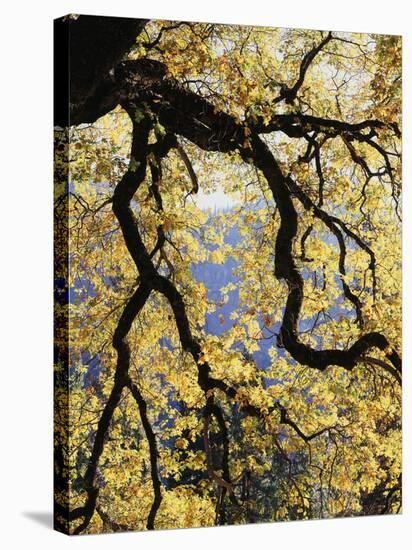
[(158, 422)]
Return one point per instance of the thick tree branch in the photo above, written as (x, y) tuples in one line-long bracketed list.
[(285, 269), (95, 46)]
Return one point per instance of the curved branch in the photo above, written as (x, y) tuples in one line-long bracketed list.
[(284, 419), (299, 124), (127, 185), (385, 366), (134, 305), (285, 269), (289, 94), (321, 214), (189, 167), (151, 438)]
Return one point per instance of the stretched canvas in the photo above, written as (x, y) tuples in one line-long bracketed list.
[(227, 274)]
